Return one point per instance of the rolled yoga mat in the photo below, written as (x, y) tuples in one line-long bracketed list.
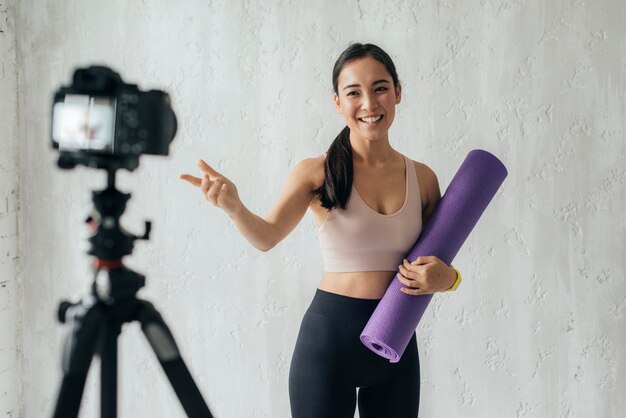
[(392, 324)]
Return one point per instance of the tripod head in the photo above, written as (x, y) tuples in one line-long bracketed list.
[(111, 242)]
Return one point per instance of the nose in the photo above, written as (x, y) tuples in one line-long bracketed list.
[(369, 101)]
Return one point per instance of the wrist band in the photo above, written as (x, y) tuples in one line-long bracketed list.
[(456, 282)]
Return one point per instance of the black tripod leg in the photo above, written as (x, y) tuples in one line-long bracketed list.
[(165, 348), (108, 371), (80, 345)]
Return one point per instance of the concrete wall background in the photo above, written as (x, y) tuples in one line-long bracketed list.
[(10, 286), (536, 329)]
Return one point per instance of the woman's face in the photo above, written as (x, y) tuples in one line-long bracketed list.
[(367, 99)]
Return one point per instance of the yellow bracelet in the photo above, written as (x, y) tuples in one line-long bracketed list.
[(456, 282)]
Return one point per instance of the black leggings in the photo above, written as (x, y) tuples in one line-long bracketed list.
[(329, 363)]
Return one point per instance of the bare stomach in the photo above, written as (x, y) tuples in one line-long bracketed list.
[(362, 284)]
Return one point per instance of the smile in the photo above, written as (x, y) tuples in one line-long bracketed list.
[(371, 120)]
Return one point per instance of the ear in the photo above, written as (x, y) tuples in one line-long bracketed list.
[(398, 93), (336, 101)]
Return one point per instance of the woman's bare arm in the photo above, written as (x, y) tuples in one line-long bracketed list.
[(263, 232)]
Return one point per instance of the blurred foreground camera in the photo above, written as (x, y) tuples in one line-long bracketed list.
[(100, 121)]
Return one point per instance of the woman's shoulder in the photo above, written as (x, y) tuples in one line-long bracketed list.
[(311, 171), (428, 182), (424, 172)]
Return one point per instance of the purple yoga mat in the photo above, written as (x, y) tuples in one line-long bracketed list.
[(392, 324)]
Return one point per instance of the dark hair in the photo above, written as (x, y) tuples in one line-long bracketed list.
[(338, 168)]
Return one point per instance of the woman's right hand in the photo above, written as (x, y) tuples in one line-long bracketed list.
[(216, 188)]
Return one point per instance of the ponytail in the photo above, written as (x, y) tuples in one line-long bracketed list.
[(338, 173)]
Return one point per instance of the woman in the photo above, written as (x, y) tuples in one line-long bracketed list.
[(369, 202)]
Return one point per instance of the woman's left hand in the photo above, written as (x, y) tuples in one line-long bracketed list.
[(426, 275)]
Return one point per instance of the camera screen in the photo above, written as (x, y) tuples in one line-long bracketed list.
[(81, 122)]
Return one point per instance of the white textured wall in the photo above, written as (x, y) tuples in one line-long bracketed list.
[(10, 286), (537, 327)]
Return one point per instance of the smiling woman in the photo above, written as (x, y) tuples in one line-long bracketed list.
[(368, 211)]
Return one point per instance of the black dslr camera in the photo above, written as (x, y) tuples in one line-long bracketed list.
[(100, 121)]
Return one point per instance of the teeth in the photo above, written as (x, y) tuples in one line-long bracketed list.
[(372, 119)]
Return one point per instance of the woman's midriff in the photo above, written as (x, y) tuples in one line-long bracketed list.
[(363, 284)]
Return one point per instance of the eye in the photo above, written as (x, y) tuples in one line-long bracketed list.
[(381, 89), (352, 93)]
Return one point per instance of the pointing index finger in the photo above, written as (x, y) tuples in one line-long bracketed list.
[(191, 179)]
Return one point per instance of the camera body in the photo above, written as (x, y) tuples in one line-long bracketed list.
[(102, 117)]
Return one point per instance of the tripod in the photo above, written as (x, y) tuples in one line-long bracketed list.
[(95, 323)]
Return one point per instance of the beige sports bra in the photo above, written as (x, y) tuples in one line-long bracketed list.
[(359, 238)]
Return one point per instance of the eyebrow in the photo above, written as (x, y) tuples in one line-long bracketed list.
[(373, 84)]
